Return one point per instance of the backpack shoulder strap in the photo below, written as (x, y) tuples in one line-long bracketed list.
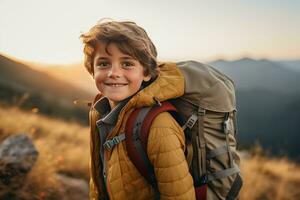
[(137, 131)]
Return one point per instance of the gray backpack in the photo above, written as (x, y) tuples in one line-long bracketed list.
[(207, 113), (208, 107)]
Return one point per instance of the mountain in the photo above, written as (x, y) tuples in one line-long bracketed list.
[(268, 96), (264, 74), (23, 86), (291, 64), (77, 75), (74, 74)]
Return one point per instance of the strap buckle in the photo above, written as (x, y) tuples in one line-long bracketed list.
[(226, 126), (190, 122), (201, 111), (201, 181), (109, 144), (204, 179)]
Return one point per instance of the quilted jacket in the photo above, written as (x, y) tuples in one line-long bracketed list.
[(166, 144)]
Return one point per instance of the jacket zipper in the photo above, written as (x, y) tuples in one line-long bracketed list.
[(105, 158)]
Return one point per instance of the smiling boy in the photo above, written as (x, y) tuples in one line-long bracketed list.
[(122, 60), (117, 75)]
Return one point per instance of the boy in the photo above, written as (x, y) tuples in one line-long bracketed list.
[(122, 60)]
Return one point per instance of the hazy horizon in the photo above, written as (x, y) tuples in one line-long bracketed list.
[(34, 64)]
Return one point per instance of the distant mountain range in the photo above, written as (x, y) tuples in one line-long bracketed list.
[(263, 74), (268, 96), (23, 86), (268, 102), (292, 64)]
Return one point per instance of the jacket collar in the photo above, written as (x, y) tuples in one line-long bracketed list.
[(108, 115)]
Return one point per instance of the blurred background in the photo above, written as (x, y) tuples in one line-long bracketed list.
[(256, 43)]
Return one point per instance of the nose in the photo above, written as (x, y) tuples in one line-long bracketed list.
[(114, 72)]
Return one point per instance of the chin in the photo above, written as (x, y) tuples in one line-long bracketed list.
[(116, 99)]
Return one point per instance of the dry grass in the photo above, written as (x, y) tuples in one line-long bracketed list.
[(64, 149), (265, 178)]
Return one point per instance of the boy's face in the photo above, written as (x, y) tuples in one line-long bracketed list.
[(117, 76)]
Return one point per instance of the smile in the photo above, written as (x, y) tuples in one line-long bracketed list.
[(115, 84)]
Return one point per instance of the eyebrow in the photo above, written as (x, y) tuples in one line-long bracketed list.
[(123, 57)]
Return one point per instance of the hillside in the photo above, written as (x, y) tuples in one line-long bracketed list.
[(22, 85), (291, 64), (65, 150), (74, 74)]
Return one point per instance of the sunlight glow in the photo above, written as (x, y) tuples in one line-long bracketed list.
[(48, 31)]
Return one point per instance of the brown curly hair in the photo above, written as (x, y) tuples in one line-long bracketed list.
[(130, 38)]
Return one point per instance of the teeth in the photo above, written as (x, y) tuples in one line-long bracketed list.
[(116, 85)]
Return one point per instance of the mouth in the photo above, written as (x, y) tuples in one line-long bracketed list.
[(116, 84)]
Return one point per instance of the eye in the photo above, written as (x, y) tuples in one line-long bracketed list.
[(127, 64), (102, 64)]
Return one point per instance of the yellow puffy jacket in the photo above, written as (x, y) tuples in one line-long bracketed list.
[(166, 144)]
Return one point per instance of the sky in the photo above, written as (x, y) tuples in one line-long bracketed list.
[(48, 31)]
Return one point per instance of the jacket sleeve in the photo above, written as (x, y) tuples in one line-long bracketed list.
[(93, 192), (166, 143)]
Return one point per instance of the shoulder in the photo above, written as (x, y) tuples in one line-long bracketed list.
[(165, 131), (165, 120)]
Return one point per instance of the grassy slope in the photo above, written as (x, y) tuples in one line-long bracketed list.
[(21, 85), (64, 149), (266, 179)]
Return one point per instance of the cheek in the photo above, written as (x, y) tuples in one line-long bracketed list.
[(98, 78), (137, 79)]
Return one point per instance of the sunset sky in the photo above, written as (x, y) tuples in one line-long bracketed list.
[(48, 31)]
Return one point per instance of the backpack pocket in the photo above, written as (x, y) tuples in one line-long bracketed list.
[(221, 156)]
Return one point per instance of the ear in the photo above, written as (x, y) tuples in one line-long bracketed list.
[(147, 78)]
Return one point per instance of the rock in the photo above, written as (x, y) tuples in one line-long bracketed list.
[(17, 157), (74, 188)]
